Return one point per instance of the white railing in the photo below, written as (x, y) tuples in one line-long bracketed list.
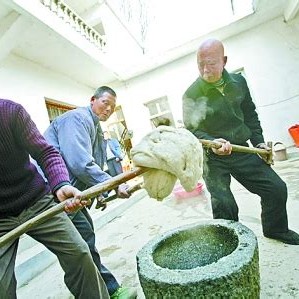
[(69, 16)]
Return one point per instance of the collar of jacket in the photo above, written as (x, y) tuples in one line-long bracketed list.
[(95, 118), (207, 86)]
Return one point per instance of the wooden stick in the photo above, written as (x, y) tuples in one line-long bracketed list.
[(235, 148), (102, 202), (266, 154), (130, 190), (86, 194), (112, 183)]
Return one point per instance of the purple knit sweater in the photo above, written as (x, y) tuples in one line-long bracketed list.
[(20, 183)]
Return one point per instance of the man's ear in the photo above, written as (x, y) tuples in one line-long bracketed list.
[(224, 60)]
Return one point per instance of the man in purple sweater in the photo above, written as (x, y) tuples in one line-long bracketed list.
[(24, 194)]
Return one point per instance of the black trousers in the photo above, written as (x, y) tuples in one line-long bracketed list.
[(84, 224), (257, 177)]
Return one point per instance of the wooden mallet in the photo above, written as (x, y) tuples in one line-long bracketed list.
[(113, 183)]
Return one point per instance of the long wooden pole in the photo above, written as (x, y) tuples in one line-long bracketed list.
[(266, 154), (86, 194), (235, 148)]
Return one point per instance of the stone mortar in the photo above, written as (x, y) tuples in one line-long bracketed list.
[(208, 259)]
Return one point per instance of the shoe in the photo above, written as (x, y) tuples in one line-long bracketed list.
[(101, 205), (124, 293), (289, 237)]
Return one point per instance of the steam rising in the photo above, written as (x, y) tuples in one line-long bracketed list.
[(194, 111)]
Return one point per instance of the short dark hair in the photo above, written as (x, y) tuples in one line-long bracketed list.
[(101, 90)]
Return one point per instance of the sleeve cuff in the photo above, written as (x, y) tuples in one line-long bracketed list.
[(59, 186)]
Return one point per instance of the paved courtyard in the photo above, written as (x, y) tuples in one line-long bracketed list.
[(120, 239)]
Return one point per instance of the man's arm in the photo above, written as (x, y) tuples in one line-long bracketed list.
[(117, 149), (251, 117), (74, 137), (48, 158)]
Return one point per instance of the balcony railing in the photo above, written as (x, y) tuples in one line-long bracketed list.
[(69, 16)]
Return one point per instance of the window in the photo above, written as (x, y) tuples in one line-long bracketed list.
[(160, 112), (56, 108)]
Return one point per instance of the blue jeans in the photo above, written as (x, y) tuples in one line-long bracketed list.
[(58, 235), (114, 167), (83, 222)]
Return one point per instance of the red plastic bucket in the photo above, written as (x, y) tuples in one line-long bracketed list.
[(294, 132)]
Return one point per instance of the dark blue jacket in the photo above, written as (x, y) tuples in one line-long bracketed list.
[(115, 148), (210, 114)]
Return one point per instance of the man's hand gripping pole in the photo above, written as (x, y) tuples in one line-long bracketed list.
[(266, 155)]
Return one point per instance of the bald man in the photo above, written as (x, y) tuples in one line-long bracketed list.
[(218, 106)]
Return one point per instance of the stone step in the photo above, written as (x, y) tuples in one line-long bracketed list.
[(33, 257), (31, 262)]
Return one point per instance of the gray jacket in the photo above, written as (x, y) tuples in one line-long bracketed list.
[(77, 135)]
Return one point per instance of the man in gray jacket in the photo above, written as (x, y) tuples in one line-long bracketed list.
[(78, 136)]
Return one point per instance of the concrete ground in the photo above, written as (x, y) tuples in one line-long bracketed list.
[(121, 238)]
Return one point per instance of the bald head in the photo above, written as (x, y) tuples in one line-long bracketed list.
[(211, 44), (211, 60)]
